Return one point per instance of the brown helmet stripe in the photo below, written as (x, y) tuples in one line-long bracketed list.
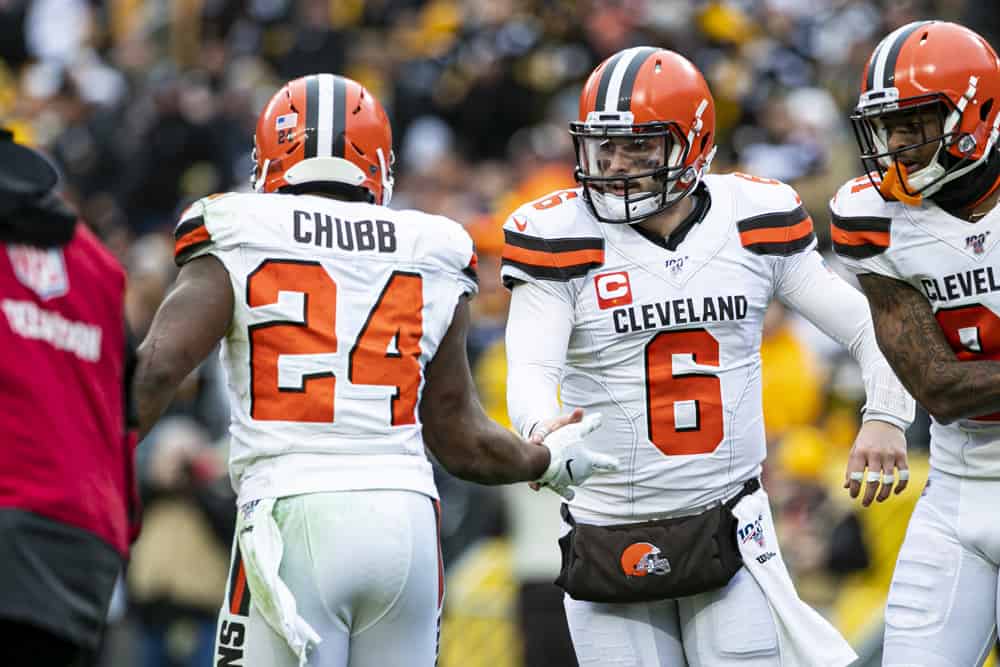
[(602, 89), (312, 117), (870, 77), (339, 115), (628, 81)]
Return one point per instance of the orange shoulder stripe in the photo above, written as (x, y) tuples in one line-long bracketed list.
[(778, 234), (197, 235), (557, 260), (860, 237)]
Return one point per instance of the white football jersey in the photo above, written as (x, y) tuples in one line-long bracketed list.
[(666, 343), (956, 265), (339, 307)]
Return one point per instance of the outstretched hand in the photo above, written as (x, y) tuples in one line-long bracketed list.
[(881, 447)]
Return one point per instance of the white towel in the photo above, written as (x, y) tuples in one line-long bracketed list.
[(262, 546), (805, 638)]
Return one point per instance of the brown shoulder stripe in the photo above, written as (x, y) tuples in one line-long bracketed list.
[(552, 259), (859, 237), (190, 236)]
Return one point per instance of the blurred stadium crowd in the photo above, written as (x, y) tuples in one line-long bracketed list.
[(146, 105)]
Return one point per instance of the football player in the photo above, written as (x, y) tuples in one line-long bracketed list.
[(920, 230), (343, 327), (641, 294)]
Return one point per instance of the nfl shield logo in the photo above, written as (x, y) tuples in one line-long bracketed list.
[(41, 271)]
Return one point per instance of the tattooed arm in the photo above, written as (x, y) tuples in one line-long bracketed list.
[(914, 345)]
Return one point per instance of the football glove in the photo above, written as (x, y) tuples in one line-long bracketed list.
[(572, 462)]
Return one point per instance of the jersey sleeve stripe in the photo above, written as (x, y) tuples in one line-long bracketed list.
[(188, 226), (551, 246), (555, 260), (783, 248), (861, 237), (188, 241), (771, 220), (555, 273), (861, 224), (777, 234)]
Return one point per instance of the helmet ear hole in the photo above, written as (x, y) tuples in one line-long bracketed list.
[(984, 111)]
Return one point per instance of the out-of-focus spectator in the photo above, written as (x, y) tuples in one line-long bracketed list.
[(791, 376), (145, 106), (177, 578), (68, 503)]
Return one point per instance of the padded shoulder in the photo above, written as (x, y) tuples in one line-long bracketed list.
[(553, 238), (860, 220), (444, 243), (770, 216), (204, 224)]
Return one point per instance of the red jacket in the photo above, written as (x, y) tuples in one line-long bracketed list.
[(64, 450)]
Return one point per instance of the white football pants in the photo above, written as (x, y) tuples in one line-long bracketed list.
[(365, 572), (730, 626), (942, 606)]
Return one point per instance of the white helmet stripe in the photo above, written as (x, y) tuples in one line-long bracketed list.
[(324, 129), (883, 56), (618, 75), (888, 54)]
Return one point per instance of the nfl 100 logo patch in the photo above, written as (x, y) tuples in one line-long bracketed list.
[(976, 242), (40, 270), (753, 531)]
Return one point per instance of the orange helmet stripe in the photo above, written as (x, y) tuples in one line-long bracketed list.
[(882, 67)]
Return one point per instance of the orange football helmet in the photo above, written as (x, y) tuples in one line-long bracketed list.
[(931, 65), (657, 99), (325, 132)]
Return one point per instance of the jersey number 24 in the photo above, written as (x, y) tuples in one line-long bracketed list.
[(396, 316)]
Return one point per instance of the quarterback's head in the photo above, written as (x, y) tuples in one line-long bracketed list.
[(929, 111), (645, 135), (324, 133)]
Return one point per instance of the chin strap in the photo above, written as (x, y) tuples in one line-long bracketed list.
[(893, 186)]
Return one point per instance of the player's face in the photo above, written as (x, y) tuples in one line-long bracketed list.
[(609, 157), (919, 128)]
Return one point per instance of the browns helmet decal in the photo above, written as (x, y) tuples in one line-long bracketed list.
[(642, 558)]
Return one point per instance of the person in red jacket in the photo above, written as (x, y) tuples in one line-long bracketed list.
[(67, 495)]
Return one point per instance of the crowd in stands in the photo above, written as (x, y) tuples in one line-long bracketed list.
[(146, 105)]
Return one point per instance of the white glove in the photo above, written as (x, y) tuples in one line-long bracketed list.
[(572, 462)]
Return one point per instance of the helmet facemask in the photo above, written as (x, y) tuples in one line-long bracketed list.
[(631, 172), (954, 155)]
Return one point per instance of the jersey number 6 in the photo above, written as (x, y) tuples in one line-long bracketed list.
[(396, 316), (683, 410)]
